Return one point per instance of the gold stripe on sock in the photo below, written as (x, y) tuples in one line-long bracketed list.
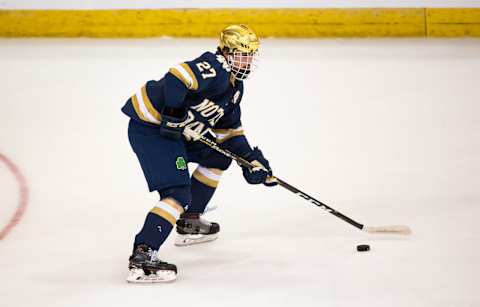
[(174, 204), (204, 179), (162, 213)]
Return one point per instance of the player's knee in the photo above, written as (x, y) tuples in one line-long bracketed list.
[(181, 195)]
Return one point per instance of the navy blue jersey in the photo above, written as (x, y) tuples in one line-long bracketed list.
[(204, 87)]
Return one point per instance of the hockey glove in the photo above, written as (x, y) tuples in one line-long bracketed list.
[(261, 172), (193, 135), (172, 123)]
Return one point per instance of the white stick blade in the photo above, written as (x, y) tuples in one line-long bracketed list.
[(394, 229)]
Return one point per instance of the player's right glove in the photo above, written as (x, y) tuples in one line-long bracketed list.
[(173, 123), (192, 135), (261, 172)]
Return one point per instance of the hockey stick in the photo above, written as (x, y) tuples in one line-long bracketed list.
[(392, 229)]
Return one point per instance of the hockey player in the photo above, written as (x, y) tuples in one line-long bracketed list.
[(195, 98)]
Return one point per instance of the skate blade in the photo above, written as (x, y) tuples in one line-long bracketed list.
[(138, 276), (185, 240)]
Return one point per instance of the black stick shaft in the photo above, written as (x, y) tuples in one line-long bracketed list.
[(318, 203), (282, 183)]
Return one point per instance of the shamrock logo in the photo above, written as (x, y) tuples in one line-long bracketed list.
[(181, 164)]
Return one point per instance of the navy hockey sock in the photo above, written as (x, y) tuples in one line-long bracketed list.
[(204, 183), (158, 225)]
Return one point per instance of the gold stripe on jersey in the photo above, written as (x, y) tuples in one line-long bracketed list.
[(179, 76), (226, 134), (151, 109), (136, 107), (194, 85), (207, 176)]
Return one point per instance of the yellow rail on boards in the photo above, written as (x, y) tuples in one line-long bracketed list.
[(369, 22)]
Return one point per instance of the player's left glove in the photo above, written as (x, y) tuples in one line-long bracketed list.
[(261, 172)]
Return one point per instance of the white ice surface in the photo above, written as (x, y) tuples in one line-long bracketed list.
[(385, 131)]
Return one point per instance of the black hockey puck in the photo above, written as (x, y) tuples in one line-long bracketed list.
[(363, 248)]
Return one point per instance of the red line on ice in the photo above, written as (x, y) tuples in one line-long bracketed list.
[(22, 204)]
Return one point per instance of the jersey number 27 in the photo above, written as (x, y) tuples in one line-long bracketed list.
[(210, 71)]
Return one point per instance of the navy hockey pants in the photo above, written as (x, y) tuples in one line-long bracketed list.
[(162, 159)]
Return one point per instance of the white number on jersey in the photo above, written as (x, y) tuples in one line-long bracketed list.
[(204, 66)]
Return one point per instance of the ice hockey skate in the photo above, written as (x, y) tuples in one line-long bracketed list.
[(192, 229), (145, 267)]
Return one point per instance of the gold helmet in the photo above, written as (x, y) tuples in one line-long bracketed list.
[(239, 38), (239, 44)]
